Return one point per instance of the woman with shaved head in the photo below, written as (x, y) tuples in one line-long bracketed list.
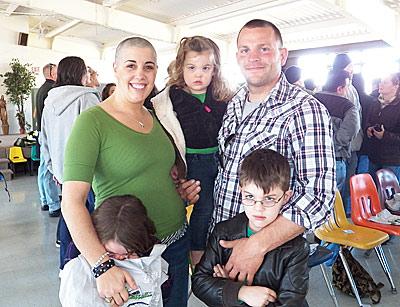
[(121, 148)]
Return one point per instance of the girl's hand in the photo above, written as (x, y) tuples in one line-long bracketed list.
[(189, 190), (111, 284), (219, 271), (256, 296)]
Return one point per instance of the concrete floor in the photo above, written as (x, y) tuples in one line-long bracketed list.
[(29, 257)]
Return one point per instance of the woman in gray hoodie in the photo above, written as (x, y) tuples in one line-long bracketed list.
[(64, 103)]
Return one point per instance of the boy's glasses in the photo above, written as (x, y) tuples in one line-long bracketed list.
[(267, 202)]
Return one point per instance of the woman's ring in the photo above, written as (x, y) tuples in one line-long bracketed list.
[(108, 300)]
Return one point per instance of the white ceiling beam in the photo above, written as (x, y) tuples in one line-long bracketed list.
[(11, 9), (114, 3), (63, 28), (93, 13)]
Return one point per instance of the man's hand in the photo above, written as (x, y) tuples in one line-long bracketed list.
[(220, 271), (370, 131), (245, 259), (111, 284), (256, 296), (189, 190)]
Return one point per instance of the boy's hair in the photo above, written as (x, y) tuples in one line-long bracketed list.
[(267, 169), (124, 219), (220, 91)]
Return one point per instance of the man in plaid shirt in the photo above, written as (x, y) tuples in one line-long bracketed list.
[(268, 112)]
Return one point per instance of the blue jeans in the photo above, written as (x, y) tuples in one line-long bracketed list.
[(363, 164), (351, 166), (48, 189), (340, 175), (202, 167), (68, 251), (177, 256)]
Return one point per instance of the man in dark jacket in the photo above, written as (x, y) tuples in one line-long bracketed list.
[(345, 119), (50, 73), (47, 187), (282, 279)]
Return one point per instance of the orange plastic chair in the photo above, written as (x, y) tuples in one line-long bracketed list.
[(387, 185), (338, 230), (15, 156), (365, 203)]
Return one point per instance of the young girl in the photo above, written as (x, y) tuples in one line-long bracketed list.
[(198, 97), (130, 245)]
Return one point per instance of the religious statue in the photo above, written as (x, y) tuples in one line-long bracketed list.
[(3, 115)]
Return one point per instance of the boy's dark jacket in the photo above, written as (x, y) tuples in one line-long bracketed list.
[(284, 269)]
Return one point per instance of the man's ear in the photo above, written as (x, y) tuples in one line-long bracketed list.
[(283, 55)]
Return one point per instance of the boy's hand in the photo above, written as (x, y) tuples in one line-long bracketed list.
[(219, 271), (245, 259), (256, 296)]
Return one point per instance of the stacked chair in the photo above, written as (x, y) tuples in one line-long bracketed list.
[(364, 204), (387, 186)]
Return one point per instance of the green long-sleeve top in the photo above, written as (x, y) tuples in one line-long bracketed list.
[(118, 161)]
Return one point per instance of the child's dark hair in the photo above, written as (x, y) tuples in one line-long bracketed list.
[(220, 90), (267, 169), (124, 219)]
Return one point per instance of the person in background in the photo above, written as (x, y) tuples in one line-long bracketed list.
[(197, 94), (107, 91), (344, 117), (48, 190), (119, 147), (282, 278), (383, 127), (366, 101), (65, 101), (293, 76), (92, 80), (268, 112), (132, 246), (342, 61), (310, 85), (375, 87)]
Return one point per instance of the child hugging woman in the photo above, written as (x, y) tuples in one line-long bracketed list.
[(194, 102), (128, 235)]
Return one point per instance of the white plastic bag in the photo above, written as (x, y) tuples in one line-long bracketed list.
[(78, 286)]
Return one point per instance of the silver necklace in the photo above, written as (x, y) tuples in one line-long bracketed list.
[(140, 123)]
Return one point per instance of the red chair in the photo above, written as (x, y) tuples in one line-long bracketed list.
[(364, 204), (387, 185)]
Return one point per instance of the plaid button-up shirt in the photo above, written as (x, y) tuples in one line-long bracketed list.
[(293, 123)]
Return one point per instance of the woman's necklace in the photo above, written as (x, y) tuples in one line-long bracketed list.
[(140, 123)]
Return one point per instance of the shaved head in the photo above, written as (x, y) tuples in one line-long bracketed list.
[(134, 41)]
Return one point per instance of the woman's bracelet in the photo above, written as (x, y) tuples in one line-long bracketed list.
[(101, 258), (103, 267)]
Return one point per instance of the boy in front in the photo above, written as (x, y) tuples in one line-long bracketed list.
[(282, 279)]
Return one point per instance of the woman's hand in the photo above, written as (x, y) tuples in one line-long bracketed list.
[(370, 132), (111, 285), (256, 296), (379, 134), (189, 190)]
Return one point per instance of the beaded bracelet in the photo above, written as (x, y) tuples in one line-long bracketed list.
[(103, 267), (101, 258)]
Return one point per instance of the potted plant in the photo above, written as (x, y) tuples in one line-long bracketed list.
[(19, 82)]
